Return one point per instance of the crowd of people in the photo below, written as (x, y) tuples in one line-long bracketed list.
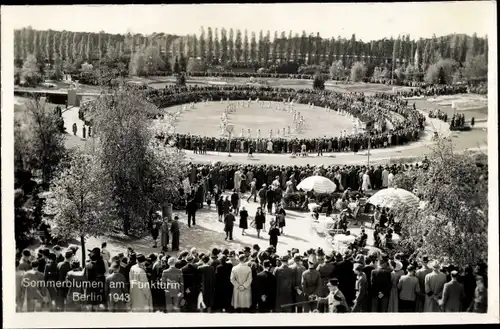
[(406, 121), (253, 279), (457, 121)]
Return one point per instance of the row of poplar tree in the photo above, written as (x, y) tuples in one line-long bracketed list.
[(221, 47)]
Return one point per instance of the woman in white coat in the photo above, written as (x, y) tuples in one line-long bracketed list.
[(241, 279), (366, 185), (141, 299)]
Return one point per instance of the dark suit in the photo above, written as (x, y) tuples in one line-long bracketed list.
[(361, 302), (207, 273), (381, 281), (284, 289), (63, 269), (51, 276), (223, 287), (266, 286), (34, 292), (191, 208), (116, 292), (453, 294), (192, 282)]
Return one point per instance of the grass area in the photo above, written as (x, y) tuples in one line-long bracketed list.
[(204, 120)]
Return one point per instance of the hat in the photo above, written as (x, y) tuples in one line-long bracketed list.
[(256, 247), (398, 266), (333, 282), (189, 258), (121, 255), (264, 185), (425, 259), (95, 251), (57, 248), (193, 250), (284, 258), (141, 258), (338, 257)]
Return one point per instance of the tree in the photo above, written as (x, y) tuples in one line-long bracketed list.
[(146, 61), (253, 48), (246, 49), (201, 44), (223, 46), (476, 68), (196, 65), (58, 74), (441, 72), (177, 68), (453, 226), (337, 70), (210, 46), (217, 47), (44, 141), (238, 46), (30, 73), (230, 45), (79, 200), (123, 121), (358, 72), (318, 82)]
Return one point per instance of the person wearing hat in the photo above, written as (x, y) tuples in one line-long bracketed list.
[(176, 234), (274, 232), (381, 285), (172, 282), (243, 220), (95, 271), (241, 279), (420, 275), (223, 286), (260, 221), (284, 289), (298, 270), (361, 300), (265, 288), (58, 251), (207, 273), (311, 282), (335, 297), (262, 196), (325, 268), (164, 235), (229, 220), (409, 289), (396, 274), (115, 290), (192, 284), (62, 270), (141, 299), (434, 285)]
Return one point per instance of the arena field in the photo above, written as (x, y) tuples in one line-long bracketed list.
[(205, 119)]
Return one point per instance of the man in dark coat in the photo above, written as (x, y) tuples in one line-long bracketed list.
[(270, 200), (191, 208), (51, 276), (115, 290), (174, 229), (192, 284), (311, 282), (347, 279), (381, 285), (223, 285), (207, 273), (63, 268), (265, 289), (284, 289)]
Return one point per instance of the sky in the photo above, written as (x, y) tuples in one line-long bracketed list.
[(369, 21)]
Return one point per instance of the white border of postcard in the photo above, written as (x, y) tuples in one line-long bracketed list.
[(89, 320)]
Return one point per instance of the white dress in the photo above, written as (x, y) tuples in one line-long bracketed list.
[(366, 183)]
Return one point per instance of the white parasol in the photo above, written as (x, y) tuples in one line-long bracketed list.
[(391, 197), (319, 184)]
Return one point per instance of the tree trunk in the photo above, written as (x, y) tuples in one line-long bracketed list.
[(82, 245)]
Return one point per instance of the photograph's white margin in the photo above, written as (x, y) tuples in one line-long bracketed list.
[(89, 320)]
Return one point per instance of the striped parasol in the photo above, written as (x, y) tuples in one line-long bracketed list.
[(391, 197), (319, 184)]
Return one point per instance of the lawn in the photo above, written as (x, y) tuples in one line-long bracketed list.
[(205, 119)]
